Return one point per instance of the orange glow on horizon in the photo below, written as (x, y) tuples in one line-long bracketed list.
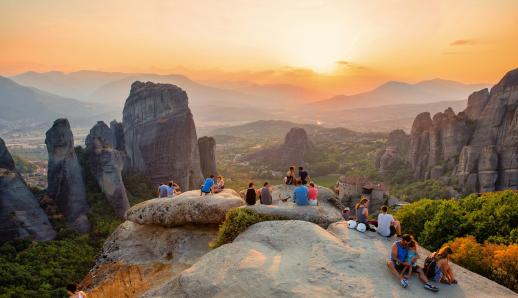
[(329, 46)]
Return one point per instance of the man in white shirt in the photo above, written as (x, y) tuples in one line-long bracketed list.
[(387, 224)]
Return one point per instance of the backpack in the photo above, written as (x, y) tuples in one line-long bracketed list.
[(429, 266)]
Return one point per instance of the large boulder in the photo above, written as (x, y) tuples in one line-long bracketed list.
[(187, 208), (65, 180), (137, 257), (300, 259), (20, 213), (282, 205), (160, 135), (207, 147), (107, 164)]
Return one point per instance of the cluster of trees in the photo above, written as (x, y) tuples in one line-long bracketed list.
[(431, 189), (43, 269), (489, 221)]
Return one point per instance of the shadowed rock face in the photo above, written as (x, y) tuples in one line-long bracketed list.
[(107, 165), (479, 145), (160, 135), (207, 147), (20, 213), (65, 180), (398, 143)]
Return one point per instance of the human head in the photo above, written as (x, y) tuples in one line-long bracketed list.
[(265, 183), (312, 184), (170, 183), (384, 209), (301, 168), (220, 177), (251, 184), (212, 176), (411, 244), (364, 201), (405, 239), (71, 288), (444, 252), (292, 168)]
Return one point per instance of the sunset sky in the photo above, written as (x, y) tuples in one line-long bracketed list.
[(337, 46)]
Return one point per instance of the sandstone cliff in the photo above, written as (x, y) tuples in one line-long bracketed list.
[(65, 180), (20, 213), (478, 146), (107, 164), (160, 135), (207, 147)]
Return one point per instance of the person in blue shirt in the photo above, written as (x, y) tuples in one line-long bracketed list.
[(208, 185), (300, 194)]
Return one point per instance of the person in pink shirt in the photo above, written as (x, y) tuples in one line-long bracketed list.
[(312, 194)]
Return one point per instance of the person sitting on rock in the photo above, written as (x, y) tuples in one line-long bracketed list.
[(251, 194), (388, 226), (312, 194), (300, 194), (220, 184), (362, 213), (438, 268), (162, 190), (290, 176), (208, 186), (412, 257), (303, 175), (266, 194), (346, 214), (172, 189), (398, 262)]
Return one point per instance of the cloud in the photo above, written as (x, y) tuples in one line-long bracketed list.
[(464, 42), (342, 62)]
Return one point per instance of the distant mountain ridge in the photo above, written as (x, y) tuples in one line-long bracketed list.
[(26, 104), (395, 92)]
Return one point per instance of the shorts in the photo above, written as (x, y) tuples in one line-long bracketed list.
[(392, 231), (399, 267)]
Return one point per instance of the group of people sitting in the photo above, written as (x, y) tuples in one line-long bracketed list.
[(404, 252), (168, 190), (403, 262), (211, 186)]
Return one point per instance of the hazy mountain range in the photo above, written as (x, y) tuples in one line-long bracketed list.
[(226, 103)]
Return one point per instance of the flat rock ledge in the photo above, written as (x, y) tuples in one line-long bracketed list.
[(187, 208)]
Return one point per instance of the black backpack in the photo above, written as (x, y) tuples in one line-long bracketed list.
[(429, 266)]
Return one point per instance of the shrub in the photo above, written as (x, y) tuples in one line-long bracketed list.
[(496, 261), (237, 220), (431, 189)]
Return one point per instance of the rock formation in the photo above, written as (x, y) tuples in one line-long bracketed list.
[(160, 136), (478, 145), (291, 153), (207, 146), (398, 143), (187, 208), (65, 180), (20, 213), (300, 259), (107, 164), (323, 215)]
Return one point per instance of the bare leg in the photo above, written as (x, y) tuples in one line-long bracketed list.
[(397, 226), (422, 276), (392, 269)]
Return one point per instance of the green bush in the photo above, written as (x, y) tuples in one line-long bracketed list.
[(492, 217), (237, 220), (431, 189)]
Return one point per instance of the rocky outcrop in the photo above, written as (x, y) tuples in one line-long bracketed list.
[(160, 136), (107, 163), (300, 259), (291, 153), (187, 208), (398, 143), (65, 181), (323, 215), (20, 213), (207, 147), (479, 145)]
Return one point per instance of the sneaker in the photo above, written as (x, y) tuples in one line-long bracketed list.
[(404, 283), (431, 287)]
